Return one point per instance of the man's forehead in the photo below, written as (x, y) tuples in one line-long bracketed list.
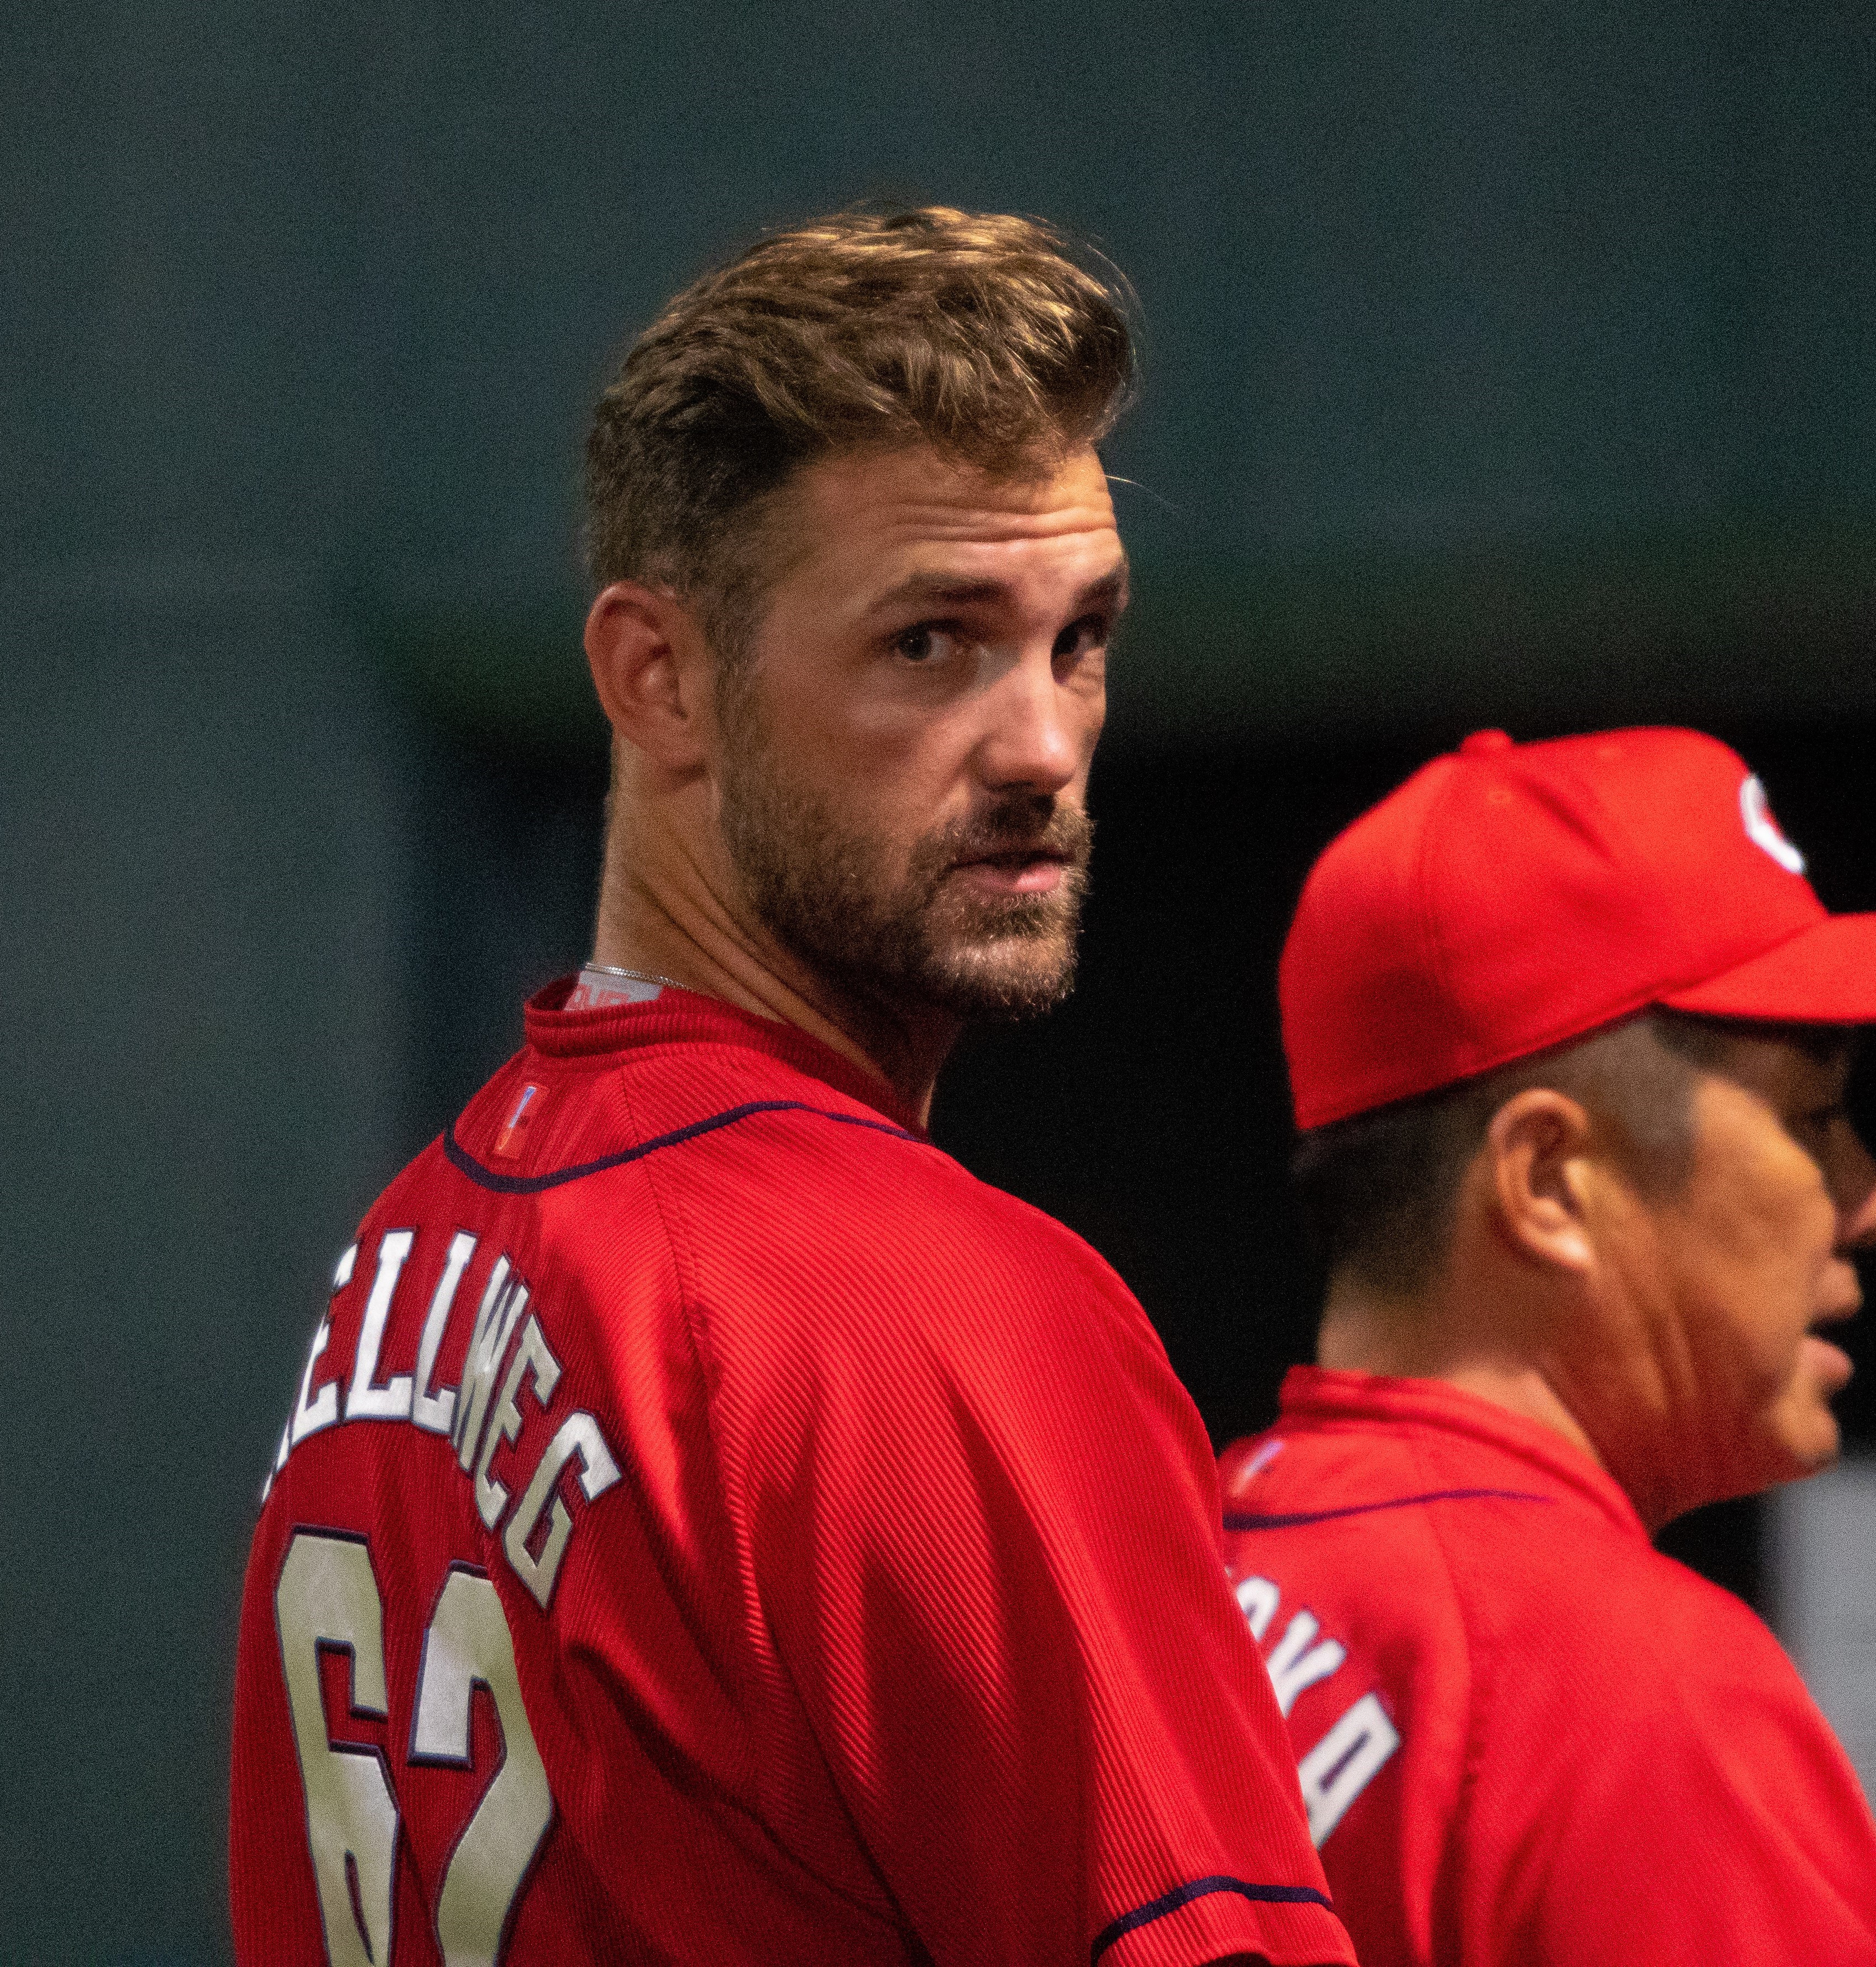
[(904, 504)]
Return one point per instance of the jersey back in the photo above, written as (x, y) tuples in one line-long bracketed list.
[(681, 1547)]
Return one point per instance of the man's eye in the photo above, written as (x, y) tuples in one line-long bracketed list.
[(929, 642), (1078, 637)]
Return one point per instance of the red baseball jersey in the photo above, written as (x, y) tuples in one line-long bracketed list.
[(1524, 1735), (712, 1527)]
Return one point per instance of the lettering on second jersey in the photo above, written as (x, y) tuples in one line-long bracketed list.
[(1347, 1759), (504, 1401)]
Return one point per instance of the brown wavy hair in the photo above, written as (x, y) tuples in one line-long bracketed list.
[(991, 338)]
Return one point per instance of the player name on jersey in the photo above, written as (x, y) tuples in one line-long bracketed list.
[(506, 1349), (1342, 1765)]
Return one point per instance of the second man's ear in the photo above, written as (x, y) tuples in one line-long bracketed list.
[(1537, 1146), (651, 667)]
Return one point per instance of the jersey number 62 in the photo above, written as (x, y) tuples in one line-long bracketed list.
[(328, 1597)]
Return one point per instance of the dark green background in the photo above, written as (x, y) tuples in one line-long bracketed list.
[(1508, 364)]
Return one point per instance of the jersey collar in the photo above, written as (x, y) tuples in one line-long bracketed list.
[(678, 1016), (1317, 1394)]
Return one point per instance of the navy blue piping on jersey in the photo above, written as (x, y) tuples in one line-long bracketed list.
[(1247, 1519), (532, 1184), (1201, 1888)]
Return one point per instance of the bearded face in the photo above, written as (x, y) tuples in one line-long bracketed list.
[(906, 706), (901, 922)]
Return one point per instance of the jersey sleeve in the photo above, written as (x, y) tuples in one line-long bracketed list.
[(983, 1522), (1719, 1821)]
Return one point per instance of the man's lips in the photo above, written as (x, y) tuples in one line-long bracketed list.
[(1023, 871), (1832, 1363)]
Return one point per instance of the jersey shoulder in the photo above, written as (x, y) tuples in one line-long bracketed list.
[(806, 1243), (1348, 1512), (1617, 1620), (810, 1158), (1554, 1593), (818, 1196)]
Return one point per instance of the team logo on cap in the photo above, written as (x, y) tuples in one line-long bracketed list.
[(1762, 830)]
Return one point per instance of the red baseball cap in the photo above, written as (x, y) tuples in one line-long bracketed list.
[(1512, 897)]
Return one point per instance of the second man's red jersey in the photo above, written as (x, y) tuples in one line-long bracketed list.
[(1526, 1738)]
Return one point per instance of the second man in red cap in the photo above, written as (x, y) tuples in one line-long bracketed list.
[(1567, 1033)]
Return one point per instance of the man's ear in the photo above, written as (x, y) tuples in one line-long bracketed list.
[(1536, 1152), (651, 667)]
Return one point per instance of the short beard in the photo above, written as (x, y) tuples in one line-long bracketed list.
[(816, 884)]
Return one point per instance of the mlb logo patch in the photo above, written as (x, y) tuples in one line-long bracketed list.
[(513, 1133)]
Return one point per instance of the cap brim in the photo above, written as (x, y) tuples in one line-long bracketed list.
[(1825, 975)]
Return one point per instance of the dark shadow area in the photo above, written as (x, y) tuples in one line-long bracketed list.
[(1150, 1114), (508, 858)]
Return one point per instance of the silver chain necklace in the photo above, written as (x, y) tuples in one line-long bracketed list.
[(637, 976)]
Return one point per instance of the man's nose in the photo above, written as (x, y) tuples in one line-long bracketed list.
[(1038, 733)]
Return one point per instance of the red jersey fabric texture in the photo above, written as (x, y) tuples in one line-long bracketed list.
[(713, 1526), (1556, 1744)]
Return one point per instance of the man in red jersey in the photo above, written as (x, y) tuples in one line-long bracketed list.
[(684, 1544), (1567, 1033)]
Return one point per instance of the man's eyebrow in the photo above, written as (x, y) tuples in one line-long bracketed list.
[(936, 590)]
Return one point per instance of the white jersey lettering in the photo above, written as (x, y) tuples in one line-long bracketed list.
[(475, 1418), (1343, 1763), (363, 1400), (1341, 1766)]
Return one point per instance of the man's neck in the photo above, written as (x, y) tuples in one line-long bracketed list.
[(1420, 1338), (660, 929)]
